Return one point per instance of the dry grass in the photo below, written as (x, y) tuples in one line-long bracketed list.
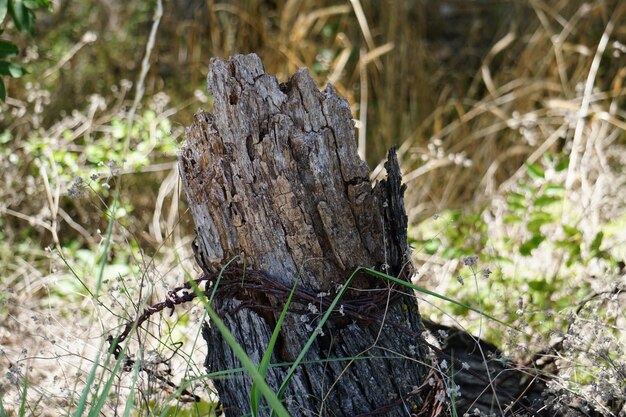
[(468, 103)]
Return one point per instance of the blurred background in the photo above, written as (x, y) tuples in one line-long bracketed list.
[(509, 118)]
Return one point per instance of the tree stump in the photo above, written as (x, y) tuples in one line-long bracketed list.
[(273, 181), (273, 178)]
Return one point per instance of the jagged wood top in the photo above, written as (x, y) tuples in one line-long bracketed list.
[(273, 174)]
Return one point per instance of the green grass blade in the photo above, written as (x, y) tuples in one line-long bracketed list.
[(376, 274), (128, 409), (82, 401), (217, 283), (95, 410), (318, 328), (24, 396), (107, 240), (265, 361), (250, 368), (453, 384), (219, 278), (407, 284), (316, 332), (3, 412), (232, 371)]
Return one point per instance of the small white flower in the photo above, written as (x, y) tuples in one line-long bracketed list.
[(313, 308), (454, 392)]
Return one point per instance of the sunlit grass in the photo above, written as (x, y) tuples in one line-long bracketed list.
[(467, 135)]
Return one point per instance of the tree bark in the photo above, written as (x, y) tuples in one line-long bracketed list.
[(273, 181), (272, 177)]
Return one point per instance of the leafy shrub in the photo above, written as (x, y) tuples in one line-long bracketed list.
[(22, 13)]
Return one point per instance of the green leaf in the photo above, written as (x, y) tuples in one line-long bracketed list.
[(240, 353), (18, 13), (537, 220), (541, 216), (339, 295), (407, 284), (454, 253), (574, 255), (24, 398), (571, 231), (8, 49), (11, 69), (3, 91), (95, 410), (597, 242), (555, 189), (36, 4), (516, 197), (515, 206), (431, 245), (562, 165), (549, 158), (24, 19), (511, 218), (5, 137), (540, 285), (4, 5), (535, 171), (546, 200), (503, 259), (531, 244), (526, 187)]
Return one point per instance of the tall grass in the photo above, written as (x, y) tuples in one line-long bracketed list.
[(472, 102)]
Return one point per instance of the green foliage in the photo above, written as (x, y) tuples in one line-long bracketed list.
[(67, 288), (461, 234), (99, 156), (539, 254), (537, 221), (200, 409), (22, 13)]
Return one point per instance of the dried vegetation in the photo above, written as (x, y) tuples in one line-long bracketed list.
[(509, 117)]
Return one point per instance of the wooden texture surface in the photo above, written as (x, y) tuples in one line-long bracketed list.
[(272, 176)]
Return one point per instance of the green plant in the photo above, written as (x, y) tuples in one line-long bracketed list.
[(22, 12), (267, 356), (530, 242), (258, 373), (254, 372)]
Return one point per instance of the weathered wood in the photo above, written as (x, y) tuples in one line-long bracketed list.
[(273, 176), (273, 179)]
